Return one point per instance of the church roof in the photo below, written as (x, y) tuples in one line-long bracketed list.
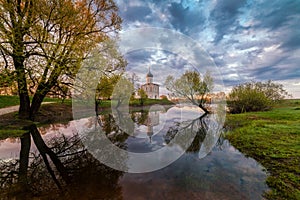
[(149, 84), (149, 73)]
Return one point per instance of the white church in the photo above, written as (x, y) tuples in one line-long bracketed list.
[(151, 89)]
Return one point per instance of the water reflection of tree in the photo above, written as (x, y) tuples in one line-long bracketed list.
[(62, 168), (112, 130), (140, 117), (199, 125)]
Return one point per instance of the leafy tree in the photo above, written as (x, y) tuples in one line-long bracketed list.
[(133, 78), (106, 86), (192, 87), (44, 42), (7, 81), (255, 96), (122, 93), (272, 91), (142, 96)]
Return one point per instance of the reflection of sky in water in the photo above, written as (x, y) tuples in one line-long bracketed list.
[(223, 174), (10, 147), (141, 142)]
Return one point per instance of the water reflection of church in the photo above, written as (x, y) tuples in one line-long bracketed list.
[(151, 121)]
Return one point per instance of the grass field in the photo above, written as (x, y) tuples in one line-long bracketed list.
[(6, 101), (273, 139)]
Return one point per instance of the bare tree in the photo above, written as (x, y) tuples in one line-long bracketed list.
[(191, 86)]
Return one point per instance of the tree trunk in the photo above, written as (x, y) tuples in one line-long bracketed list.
[(24, 160), (44, 149), (38, 98), (203, 108), (36, 104), (18, 60), (24, 109)]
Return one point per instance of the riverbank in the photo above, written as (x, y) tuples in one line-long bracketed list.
[(58, 112), (273, 139), (11, 126)]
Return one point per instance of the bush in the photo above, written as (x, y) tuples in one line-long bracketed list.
[(255, 96), (163, 97)]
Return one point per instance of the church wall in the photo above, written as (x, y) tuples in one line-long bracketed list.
[(151, 90)]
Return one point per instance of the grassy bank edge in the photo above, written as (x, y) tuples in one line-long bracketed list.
[(273, 139)]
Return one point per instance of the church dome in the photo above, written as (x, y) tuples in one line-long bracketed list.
[(149, 74)]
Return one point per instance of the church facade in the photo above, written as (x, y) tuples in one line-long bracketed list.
[(151, 89)]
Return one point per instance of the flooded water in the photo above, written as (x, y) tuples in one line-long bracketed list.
[(63, 163)]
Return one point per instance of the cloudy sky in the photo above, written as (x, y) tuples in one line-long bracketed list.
[(247, 39)]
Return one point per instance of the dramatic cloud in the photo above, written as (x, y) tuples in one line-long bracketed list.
[(248, 40)]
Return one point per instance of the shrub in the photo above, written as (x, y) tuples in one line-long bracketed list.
[(163, 97), (255, 96)]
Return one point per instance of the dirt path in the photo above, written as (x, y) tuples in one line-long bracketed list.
[(11, 109)]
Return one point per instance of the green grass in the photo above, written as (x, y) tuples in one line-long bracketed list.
[(288, 102), (136, 102), (11, 126), (105, 104), (148, 102), (57, 100), (57, 112), (6, 101), (11, 133), (273, 139)]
